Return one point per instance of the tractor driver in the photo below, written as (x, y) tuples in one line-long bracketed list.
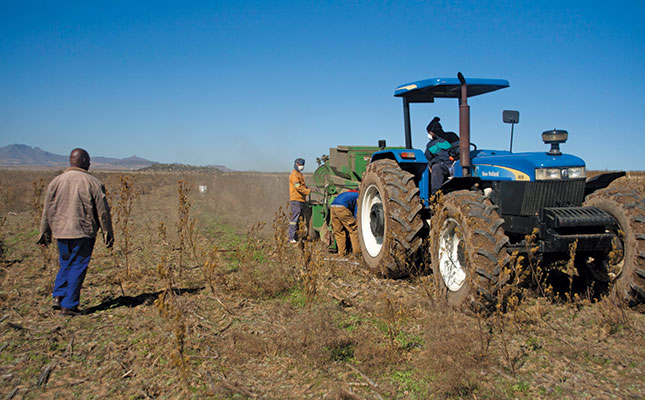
[(438, 153)]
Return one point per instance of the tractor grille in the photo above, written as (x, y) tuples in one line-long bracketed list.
[(540, 194), (528, 198)]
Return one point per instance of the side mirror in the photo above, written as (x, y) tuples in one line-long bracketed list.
[(511, 117)]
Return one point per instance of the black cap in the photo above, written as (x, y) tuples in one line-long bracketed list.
[(434, 126), (300, 161)]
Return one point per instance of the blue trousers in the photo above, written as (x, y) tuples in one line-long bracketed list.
[(440, 172), (296, 211), (74, 257)]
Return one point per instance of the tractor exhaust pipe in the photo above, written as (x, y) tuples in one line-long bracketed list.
[(464, 127)]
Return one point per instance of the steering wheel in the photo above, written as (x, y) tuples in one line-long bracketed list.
[(474, 146)]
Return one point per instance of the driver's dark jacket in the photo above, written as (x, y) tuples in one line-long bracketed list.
[(437, 150)]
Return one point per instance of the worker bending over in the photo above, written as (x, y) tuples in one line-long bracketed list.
[(343, 221)]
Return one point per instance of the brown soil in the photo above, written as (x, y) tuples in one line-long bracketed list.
[(243, 314)]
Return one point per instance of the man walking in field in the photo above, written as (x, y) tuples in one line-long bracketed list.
[(75, 207), (343, 222), (297, 192)]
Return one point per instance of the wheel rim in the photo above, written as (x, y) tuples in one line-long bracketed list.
[(372, 240), (451, 256)]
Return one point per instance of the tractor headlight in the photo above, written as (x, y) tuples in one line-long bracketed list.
[(543, 174), (577, 172)]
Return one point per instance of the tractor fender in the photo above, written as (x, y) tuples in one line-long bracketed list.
[(411, 160), (460, 183), (401, 156), (601, 181), (383, 155)]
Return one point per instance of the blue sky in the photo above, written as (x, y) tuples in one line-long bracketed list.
[(254, 84)]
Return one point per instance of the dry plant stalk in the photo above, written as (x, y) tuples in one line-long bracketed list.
[(616, 254), (259, 276), (506, 322), (392, 321), (127, 194), (613, 315), (37, 199), (37, 206), (453, 353), (538, 274), (2, 245), (505, 319), (280, 224), (173, 317), (162, 234), (485, 332), (312, 262), (176, 323), (186, 224), (570, 268), (246, 251), (164, 269), (210, 268)]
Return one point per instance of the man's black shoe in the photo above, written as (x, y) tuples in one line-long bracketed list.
[(70, 311), (56, 302)]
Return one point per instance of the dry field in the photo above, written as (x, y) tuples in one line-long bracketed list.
[(202, 297)]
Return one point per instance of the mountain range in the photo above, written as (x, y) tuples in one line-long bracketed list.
[(22, 155)]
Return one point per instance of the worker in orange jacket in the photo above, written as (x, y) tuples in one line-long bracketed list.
[(297, 192)]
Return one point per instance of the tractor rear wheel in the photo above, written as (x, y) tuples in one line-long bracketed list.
[(623, 269), (468, 251), (389, 219)]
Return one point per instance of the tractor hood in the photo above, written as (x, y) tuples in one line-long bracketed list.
[(499, 165)]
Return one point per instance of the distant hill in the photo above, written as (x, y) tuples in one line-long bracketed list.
[(176, 167), (16, 155), (22, 155)]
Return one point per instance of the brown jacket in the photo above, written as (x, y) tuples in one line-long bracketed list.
[(75, 207), (297, 188)]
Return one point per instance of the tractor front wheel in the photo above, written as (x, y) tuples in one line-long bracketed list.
[(389, 220), (468, 251)]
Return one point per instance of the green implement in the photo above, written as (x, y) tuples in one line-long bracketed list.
[(339, 171)]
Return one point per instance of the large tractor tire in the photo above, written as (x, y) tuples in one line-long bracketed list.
[(389, 220), (468, 251), (623, 270)]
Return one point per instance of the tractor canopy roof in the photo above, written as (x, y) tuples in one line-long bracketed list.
[(426, 90)]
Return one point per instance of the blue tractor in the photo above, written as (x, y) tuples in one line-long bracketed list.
[(494, 201)]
